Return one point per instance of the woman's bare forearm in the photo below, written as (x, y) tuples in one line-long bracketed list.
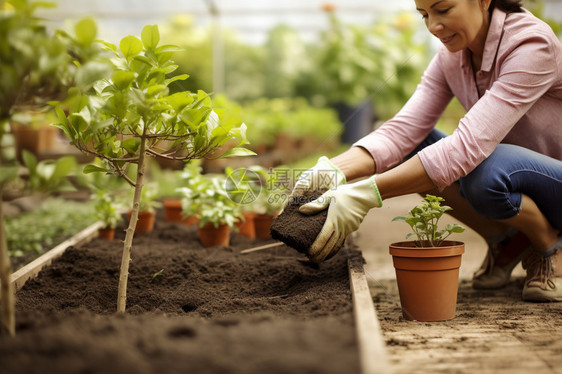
[(355, 163), (408, 177)]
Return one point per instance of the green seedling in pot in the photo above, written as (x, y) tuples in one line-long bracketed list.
[(107, 209), (423, 220)]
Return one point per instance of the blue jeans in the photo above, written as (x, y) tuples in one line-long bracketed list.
[(495, 187)]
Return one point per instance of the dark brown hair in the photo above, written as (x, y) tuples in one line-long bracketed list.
[(508, 6)]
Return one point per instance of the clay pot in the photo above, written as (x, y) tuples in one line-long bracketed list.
[(285, 142), (145, 222), (35, 140), (210, 236), (106, 234), (262, 223), (427, 279), (247, 227), (190, 221), (172, 210)]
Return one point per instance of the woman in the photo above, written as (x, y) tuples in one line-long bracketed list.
[(500, 170)]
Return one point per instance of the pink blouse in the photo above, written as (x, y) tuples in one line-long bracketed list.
[(515, 98)]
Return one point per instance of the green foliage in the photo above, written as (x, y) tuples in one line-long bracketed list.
[(296, 117), (192, 185), (49, 175), (401, 66), (134, 106), (285, 61), (98, 181), (210, 202), (243, 186), (347, 63), (33, 63), (244, 65), (53, 222), (107, 209), (537, 8), (382, 62), (423, 220), (273, 190)]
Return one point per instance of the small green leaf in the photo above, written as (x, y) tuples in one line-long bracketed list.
[(144, 59), (131, 145), (122, 79), (93, 169), (86, 31), (64, 166), (238, 151), (107, 45), (131, 46), (150, 36), (176, 78), (168, 48), (29, 160), (156, 89), (8, 173)]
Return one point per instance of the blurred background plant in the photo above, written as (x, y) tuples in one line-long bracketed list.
[(107, 208)]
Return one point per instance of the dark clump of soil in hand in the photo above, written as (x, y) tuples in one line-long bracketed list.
[(298, 230), (189, 309)]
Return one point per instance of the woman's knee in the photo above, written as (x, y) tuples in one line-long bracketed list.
[(487, 190)]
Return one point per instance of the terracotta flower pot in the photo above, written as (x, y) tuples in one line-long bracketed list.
[(262, 223), (211, 235), (145, 222), (106, 234), (428, 279), (172, 210), (190, 221), (247, 227)]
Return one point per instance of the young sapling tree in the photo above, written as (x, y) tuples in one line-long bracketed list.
[(127, 117)]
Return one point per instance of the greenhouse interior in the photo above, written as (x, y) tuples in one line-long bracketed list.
[(217, 186)]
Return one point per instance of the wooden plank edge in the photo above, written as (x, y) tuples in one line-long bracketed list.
[(31, 270), (372, 349)]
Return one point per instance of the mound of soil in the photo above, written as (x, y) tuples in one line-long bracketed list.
[(298, 230), (189, 309)]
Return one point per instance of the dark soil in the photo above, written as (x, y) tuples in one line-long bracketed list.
[(298, 230), (190, 309)]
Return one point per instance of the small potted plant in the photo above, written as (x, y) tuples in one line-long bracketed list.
[(147, 210), (186, 179), (216, 212), (243, 186), (108, 211), (427, 268), (269, 201)]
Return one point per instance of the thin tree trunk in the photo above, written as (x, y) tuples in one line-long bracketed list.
[(130, 232), (7, 297)]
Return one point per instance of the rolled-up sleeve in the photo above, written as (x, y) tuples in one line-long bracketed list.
[(397, 137)]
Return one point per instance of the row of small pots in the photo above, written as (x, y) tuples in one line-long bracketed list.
[(427, 277), (145, 224), (253, 226)]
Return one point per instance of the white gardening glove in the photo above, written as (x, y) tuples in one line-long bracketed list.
[(347, 206), (321, 177)]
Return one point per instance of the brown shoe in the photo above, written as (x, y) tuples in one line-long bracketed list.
[(500, 260), (544, 281)]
